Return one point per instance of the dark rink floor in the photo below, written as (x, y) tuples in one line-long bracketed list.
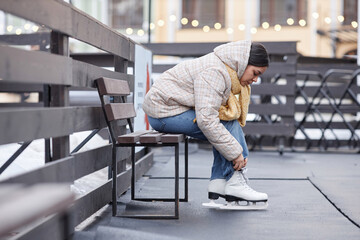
[(311, 196)]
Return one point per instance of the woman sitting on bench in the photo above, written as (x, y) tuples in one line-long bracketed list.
[(197, 98)]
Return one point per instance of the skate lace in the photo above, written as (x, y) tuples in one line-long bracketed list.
[(244, 179)]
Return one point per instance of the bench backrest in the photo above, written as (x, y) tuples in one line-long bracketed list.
[(115, 111)]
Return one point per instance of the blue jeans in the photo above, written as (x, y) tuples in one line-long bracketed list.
[(183, 123)]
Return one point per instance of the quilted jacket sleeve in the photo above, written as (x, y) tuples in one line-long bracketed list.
[(209, 88)]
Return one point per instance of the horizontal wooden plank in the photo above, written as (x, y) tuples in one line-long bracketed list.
[(151, 138), (172, 138), (22, 105), (272, 89), (160, 68), (118, 111), (61, 170), (109, 86), (88, 118), (326, 108), (45, 199), (335, 92), (269, 109), (71, 168), (18, 65), (84, 75), (280, 68), (132, 137), (26, 124), (98, 59), (252, 128), (46, 68), (39, 38), (274, 68), (333, 125), (65, 18), (200, 49), (20, 88)]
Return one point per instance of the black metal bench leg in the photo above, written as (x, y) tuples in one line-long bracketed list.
[(114, 180), (133, 173), (186, 198), (177, 181)]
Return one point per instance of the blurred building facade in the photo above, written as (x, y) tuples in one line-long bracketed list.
[(324, 28)]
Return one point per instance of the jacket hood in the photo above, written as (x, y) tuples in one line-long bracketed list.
[(235, 55)]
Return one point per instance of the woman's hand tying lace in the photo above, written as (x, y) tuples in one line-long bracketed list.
[(239, 163)]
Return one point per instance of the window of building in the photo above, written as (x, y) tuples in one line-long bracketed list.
[(127, 14), (350, 11), (206, 12), (282, 11)]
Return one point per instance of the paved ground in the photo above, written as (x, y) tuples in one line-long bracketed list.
[(311, 196)]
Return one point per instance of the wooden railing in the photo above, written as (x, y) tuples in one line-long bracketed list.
[(53, 75)]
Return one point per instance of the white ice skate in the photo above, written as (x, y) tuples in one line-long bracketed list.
[(239, 195), (237, 191), (216, 189)]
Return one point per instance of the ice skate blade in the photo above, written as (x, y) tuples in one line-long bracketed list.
[(212, 204), (251, 206)]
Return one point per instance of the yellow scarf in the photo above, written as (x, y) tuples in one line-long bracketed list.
[(237, 107)]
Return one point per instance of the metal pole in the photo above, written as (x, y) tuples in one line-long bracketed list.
[(149, 30)]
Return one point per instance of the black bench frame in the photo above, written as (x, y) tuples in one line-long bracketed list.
[(141, 139)]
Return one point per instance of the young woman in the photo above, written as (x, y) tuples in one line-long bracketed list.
[(197, 98)]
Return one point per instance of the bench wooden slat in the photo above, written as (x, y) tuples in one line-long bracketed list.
[(115, 87), (132, 137), (172, 138), (118, 111), (151, 138)]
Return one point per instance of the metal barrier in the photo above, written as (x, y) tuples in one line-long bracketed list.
[(53, 74), (330, 108)]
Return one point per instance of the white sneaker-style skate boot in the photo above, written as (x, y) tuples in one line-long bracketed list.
[(216, 189), (236, 189)]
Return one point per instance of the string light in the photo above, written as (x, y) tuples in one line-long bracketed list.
[(9, 28), (161, 23), (27, 26), (302, 22), (230, 31), (140, 32), (18, 31), (172, 18), (152, 26), (341, 18), (277, 27), (35, 28), (241, 27), (354, 24), (129, 31), (327, 20), (290, 21), (184, 21), (217, 26), (265, 25), (206, 29), (315, 15), (253, 30), (195, 23)]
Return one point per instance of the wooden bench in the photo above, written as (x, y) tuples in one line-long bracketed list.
[(22, 204), (125, 111)]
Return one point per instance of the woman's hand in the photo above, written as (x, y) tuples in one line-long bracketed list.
[(239, 162)]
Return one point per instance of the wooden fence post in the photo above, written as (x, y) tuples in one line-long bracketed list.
[(59, 95)]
